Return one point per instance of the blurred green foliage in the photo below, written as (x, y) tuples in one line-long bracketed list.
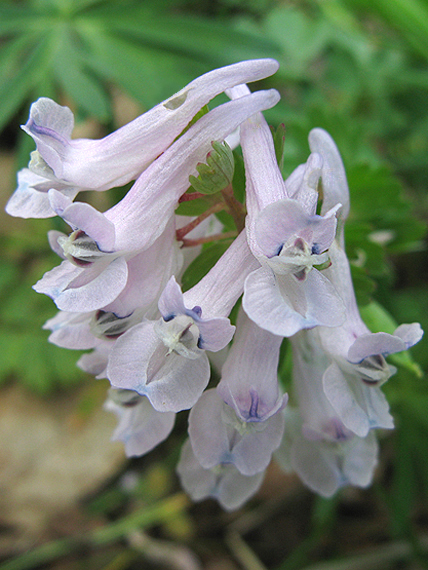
[(358, 68)]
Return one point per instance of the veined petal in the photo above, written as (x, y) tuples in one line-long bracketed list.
[(171, 301), (382, 343), (29, 202), (71, 330), (249, 378), (252, 453), (359, 407), (302, 184), (279, 222), (225, 483), (76, 290), (208, 433), (139, 361)]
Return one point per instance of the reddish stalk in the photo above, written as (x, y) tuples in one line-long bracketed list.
[(180, 233), (208, 239)]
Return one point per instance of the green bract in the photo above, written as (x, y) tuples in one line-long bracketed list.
[(217, 174)]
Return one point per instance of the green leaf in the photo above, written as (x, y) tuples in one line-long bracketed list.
[(135, 67), (203, 263), (15, 19), (83, 88), (364, 286), (14, 91), (193, 207), (210, 41), (238, 182)]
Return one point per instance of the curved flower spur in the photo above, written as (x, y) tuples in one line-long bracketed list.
[(72, 165)]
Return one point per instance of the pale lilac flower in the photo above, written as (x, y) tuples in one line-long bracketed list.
[(358, 367), (99, 269), (289, 239), (223, 482), (219, 436), (82, 164), (140, 427), (109, 281), (357, 357), (165, 359)]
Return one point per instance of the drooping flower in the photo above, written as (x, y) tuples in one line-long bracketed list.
[(71, 165), (288, 293), (325, 465), (358, 367)]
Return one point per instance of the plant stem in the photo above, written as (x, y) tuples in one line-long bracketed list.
[(191, 196), (192, 225), (235, 208), (143, 518)]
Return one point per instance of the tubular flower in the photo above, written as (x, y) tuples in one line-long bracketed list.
[(99, 255)]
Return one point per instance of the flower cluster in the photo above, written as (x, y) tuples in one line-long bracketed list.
[(118, 290)]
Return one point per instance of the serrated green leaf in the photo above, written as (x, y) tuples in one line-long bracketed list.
[(217, 173), (203, 263)]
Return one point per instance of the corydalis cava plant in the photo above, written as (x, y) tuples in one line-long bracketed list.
[(119, 294)]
